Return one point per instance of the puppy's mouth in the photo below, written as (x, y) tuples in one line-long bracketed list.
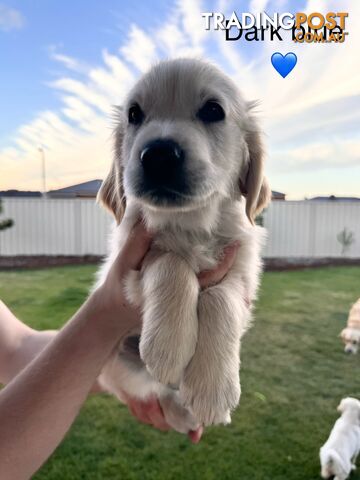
[(164, 196), (167, 199)]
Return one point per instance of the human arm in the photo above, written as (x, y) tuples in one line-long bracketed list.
[(39, 405), (19, 344)]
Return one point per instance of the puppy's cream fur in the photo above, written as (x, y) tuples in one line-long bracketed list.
[(351, 334), (190, 339), (338, 454)]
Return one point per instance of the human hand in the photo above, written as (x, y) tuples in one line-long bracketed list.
[(149, 411), (207, 278), (111, 293)]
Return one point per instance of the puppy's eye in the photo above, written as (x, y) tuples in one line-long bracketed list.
[(211, 112), (354, 342), (136, 115)]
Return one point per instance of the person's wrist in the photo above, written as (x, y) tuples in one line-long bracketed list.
[(110, 313)]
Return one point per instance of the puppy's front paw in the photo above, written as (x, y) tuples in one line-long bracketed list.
[(170, 322), (211, 399), (165, 357)]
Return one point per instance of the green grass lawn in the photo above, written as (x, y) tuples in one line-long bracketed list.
[(294, 373)]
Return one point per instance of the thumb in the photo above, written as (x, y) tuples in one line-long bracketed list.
[(135, 248)]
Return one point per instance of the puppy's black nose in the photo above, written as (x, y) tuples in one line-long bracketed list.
[(162, 160)]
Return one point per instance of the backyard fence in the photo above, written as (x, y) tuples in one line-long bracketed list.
[(310, 229), (306, 229), (54, 227)]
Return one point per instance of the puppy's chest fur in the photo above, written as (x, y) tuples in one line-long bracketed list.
[(198, 238), (199, 249)]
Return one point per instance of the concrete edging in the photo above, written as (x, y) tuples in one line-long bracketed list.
[(270, 264)]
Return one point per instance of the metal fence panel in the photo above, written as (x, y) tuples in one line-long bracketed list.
[(309, 229), (54, 227), (80, 227)]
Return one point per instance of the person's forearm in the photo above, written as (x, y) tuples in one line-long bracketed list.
[(27, 348), (40, 404), (12, 334), (20, 344)]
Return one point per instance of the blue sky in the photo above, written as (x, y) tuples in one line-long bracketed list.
[(81, 28), (63, 64)]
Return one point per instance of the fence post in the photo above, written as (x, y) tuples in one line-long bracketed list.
[(77, 227), (312, 228)]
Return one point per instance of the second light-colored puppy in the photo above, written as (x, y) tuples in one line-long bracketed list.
[(338, 454), (351, 334)]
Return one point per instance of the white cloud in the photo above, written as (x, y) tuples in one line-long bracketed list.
[(10, 19), (257, 6), (84, 91), (319, 155), (69, 63), (140, 49), (191, 20)]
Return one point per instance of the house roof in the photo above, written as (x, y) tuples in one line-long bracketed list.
[(334, 198), (85, 189), (20, 193)]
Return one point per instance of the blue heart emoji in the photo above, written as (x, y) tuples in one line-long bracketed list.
[(283, 64)]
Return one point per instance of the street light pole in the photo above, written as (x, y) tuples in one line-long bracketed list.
[(43, 170)]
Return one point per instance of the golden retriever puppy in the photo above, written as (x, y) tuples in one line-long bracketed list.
[(338, 454), (189, 160), (351, 334)]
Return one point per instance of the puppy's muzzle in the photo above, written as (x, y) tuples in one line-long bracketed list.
[(349, 349), (162, 162)]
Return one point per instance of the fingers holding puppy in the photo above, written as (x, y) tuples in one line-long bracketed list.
[(148, 411), (207, 278)]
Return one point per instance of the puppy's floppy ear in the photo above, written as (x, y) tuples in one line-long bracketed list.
[(342, 334), (342, 405), (253, 184), (111, 193)]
